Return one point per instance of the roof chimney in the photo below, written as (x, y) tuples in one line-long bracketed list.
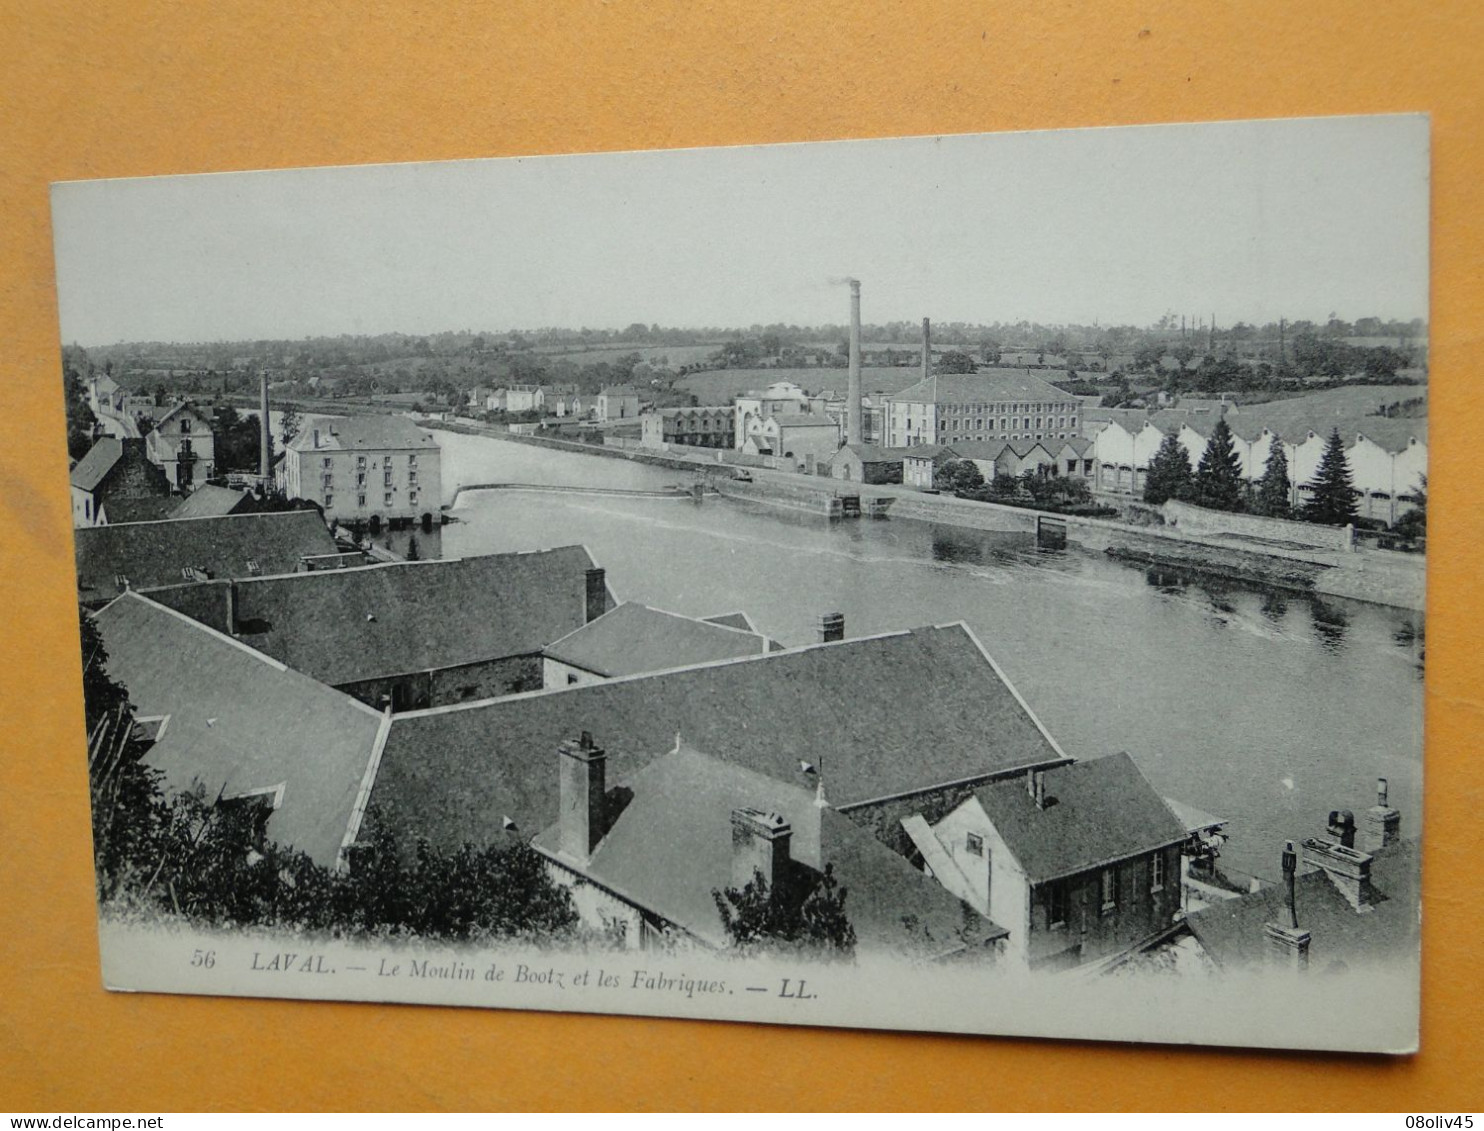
[(853, 394), (1342, 826), (1348, 868), (760, 846), (597, 593), (1383, 824), (1289, 944), (1035, 785), (831, 627), (582, 797)]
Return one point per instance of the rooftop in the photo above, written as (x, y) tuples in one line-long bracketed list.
[(209, 501), (874, 453), (239, 722), (94, 467), (345, 625), (370, 432), (143, 555), (671, 847), (1097, 811), (634, 638), (454, 773), (985, 386)]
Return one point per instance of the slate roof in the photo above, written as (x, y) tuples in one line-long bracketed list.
[(874, 453), (933, 452), (148, 508), (239, 722), (151, 554), (362, 433), (209, 500), (427, 614), (886, 715), (803, 420), (1097, 811), (985, 386), (738, 619), (94, 467), (671, 847), (1231, 931), (634, 638), (978, 449)]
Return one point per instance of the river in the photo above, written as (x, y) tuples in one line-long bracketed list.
[(1266, 708)]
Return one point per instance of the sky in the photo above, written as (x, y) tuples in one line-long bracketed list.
[(1247, 220)]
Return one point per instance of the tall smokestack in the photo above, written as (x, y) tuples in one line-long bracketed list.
[(853, 395), (927, 349), (265, 436)]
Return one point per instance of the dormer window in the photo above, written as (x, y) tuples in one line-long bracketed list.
[(185, 424), (254, 568)]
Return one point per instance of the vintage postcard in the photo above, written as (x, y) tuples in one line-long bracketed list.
[(969, 583)]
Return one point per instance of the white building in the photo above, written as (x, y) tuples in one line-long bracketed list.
[(370, 469)]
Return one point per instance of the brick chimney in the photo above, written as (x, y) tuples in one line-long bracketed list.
[(597, 593), (831, 627), (760, 845), (1035, 785), (1383, 824), (1348, 868), (582, 797), (1342, 827), (1288, 942), (853, 379), (927, 349), (265, 434)]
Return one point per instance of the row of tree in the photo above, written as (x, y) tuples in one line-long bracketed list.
[(1217, 482)]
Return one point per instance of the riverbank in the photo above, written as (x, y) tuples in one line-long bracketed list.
[(1375, 576)]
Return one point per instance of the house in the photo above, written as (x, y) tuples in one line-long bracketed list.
[(649, 857), (410, 634), (1080, 862), (997, 404), (779, 398), (866, 463), (242, 727), (524, 398), (146, 555), (559, 400), (116, 482), (803, 438), (618, 402), (371, 469), (921, 462), (710, 427), (886, 747), (1356, 903), (211, 501), (634, 638), (183, 445)]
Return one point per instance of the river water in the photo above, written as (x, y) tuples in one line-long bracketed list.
[(1265, 708)]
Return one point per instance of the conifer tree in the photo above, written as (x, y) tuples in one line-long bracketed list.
[(1169, 475), (1333, 493), (1218, 479), (1274, 488)]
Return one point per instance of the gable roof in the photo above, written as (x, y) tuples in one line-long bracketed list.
[(180, 408), (371, 432), (345, 625), (209, 500), (978, 449), (150, 554), (1231, 930), (803, 420), (933, 452), (634, 638), (240, 722), (885, 715), (1097, 811), (987, 385), (671, 847), (738, 619), (872, 453), (137, 508), (94, 467)]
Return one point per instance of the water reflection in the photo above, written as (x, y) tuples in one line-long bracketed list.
[(1330, 624)]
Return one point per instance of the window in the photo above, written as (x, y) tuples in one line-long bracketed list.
[(1057, 902), (571, 679), (329, 500), (1157, 872), (360, 479), (412, 461), (388, 498), (974, 844), (360, 500), (360, 461), (185, 424), (121, 581), (327, 461), (254, 568), (386, 479), (1109, 887)]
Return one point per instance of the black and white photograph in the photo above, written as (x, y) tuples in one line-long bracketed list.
[(966, 584)]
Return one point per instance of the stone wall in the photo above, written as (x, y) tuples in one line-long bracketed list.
[(1203, 522)]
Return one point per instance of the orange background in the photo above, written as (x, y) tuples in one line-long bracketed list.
[(128, 89)]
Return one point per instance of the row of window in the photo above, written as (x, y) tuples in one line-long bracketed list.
[(1006, 423), (999, 407), (1110, 895), (329, 461), (361, 499)]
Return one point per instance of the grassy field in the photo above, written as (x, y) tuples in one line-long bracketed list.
[(673, 356)]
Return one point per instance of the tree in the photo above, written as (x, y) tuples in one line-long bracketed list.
[(956, 361), (1274, 488), (414, 554), (290, 422), (81, 423), (958, 475), (1413, 524), (800, 916), (1169, 475), (990, 350), (1218, 479), (1333, 494)]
